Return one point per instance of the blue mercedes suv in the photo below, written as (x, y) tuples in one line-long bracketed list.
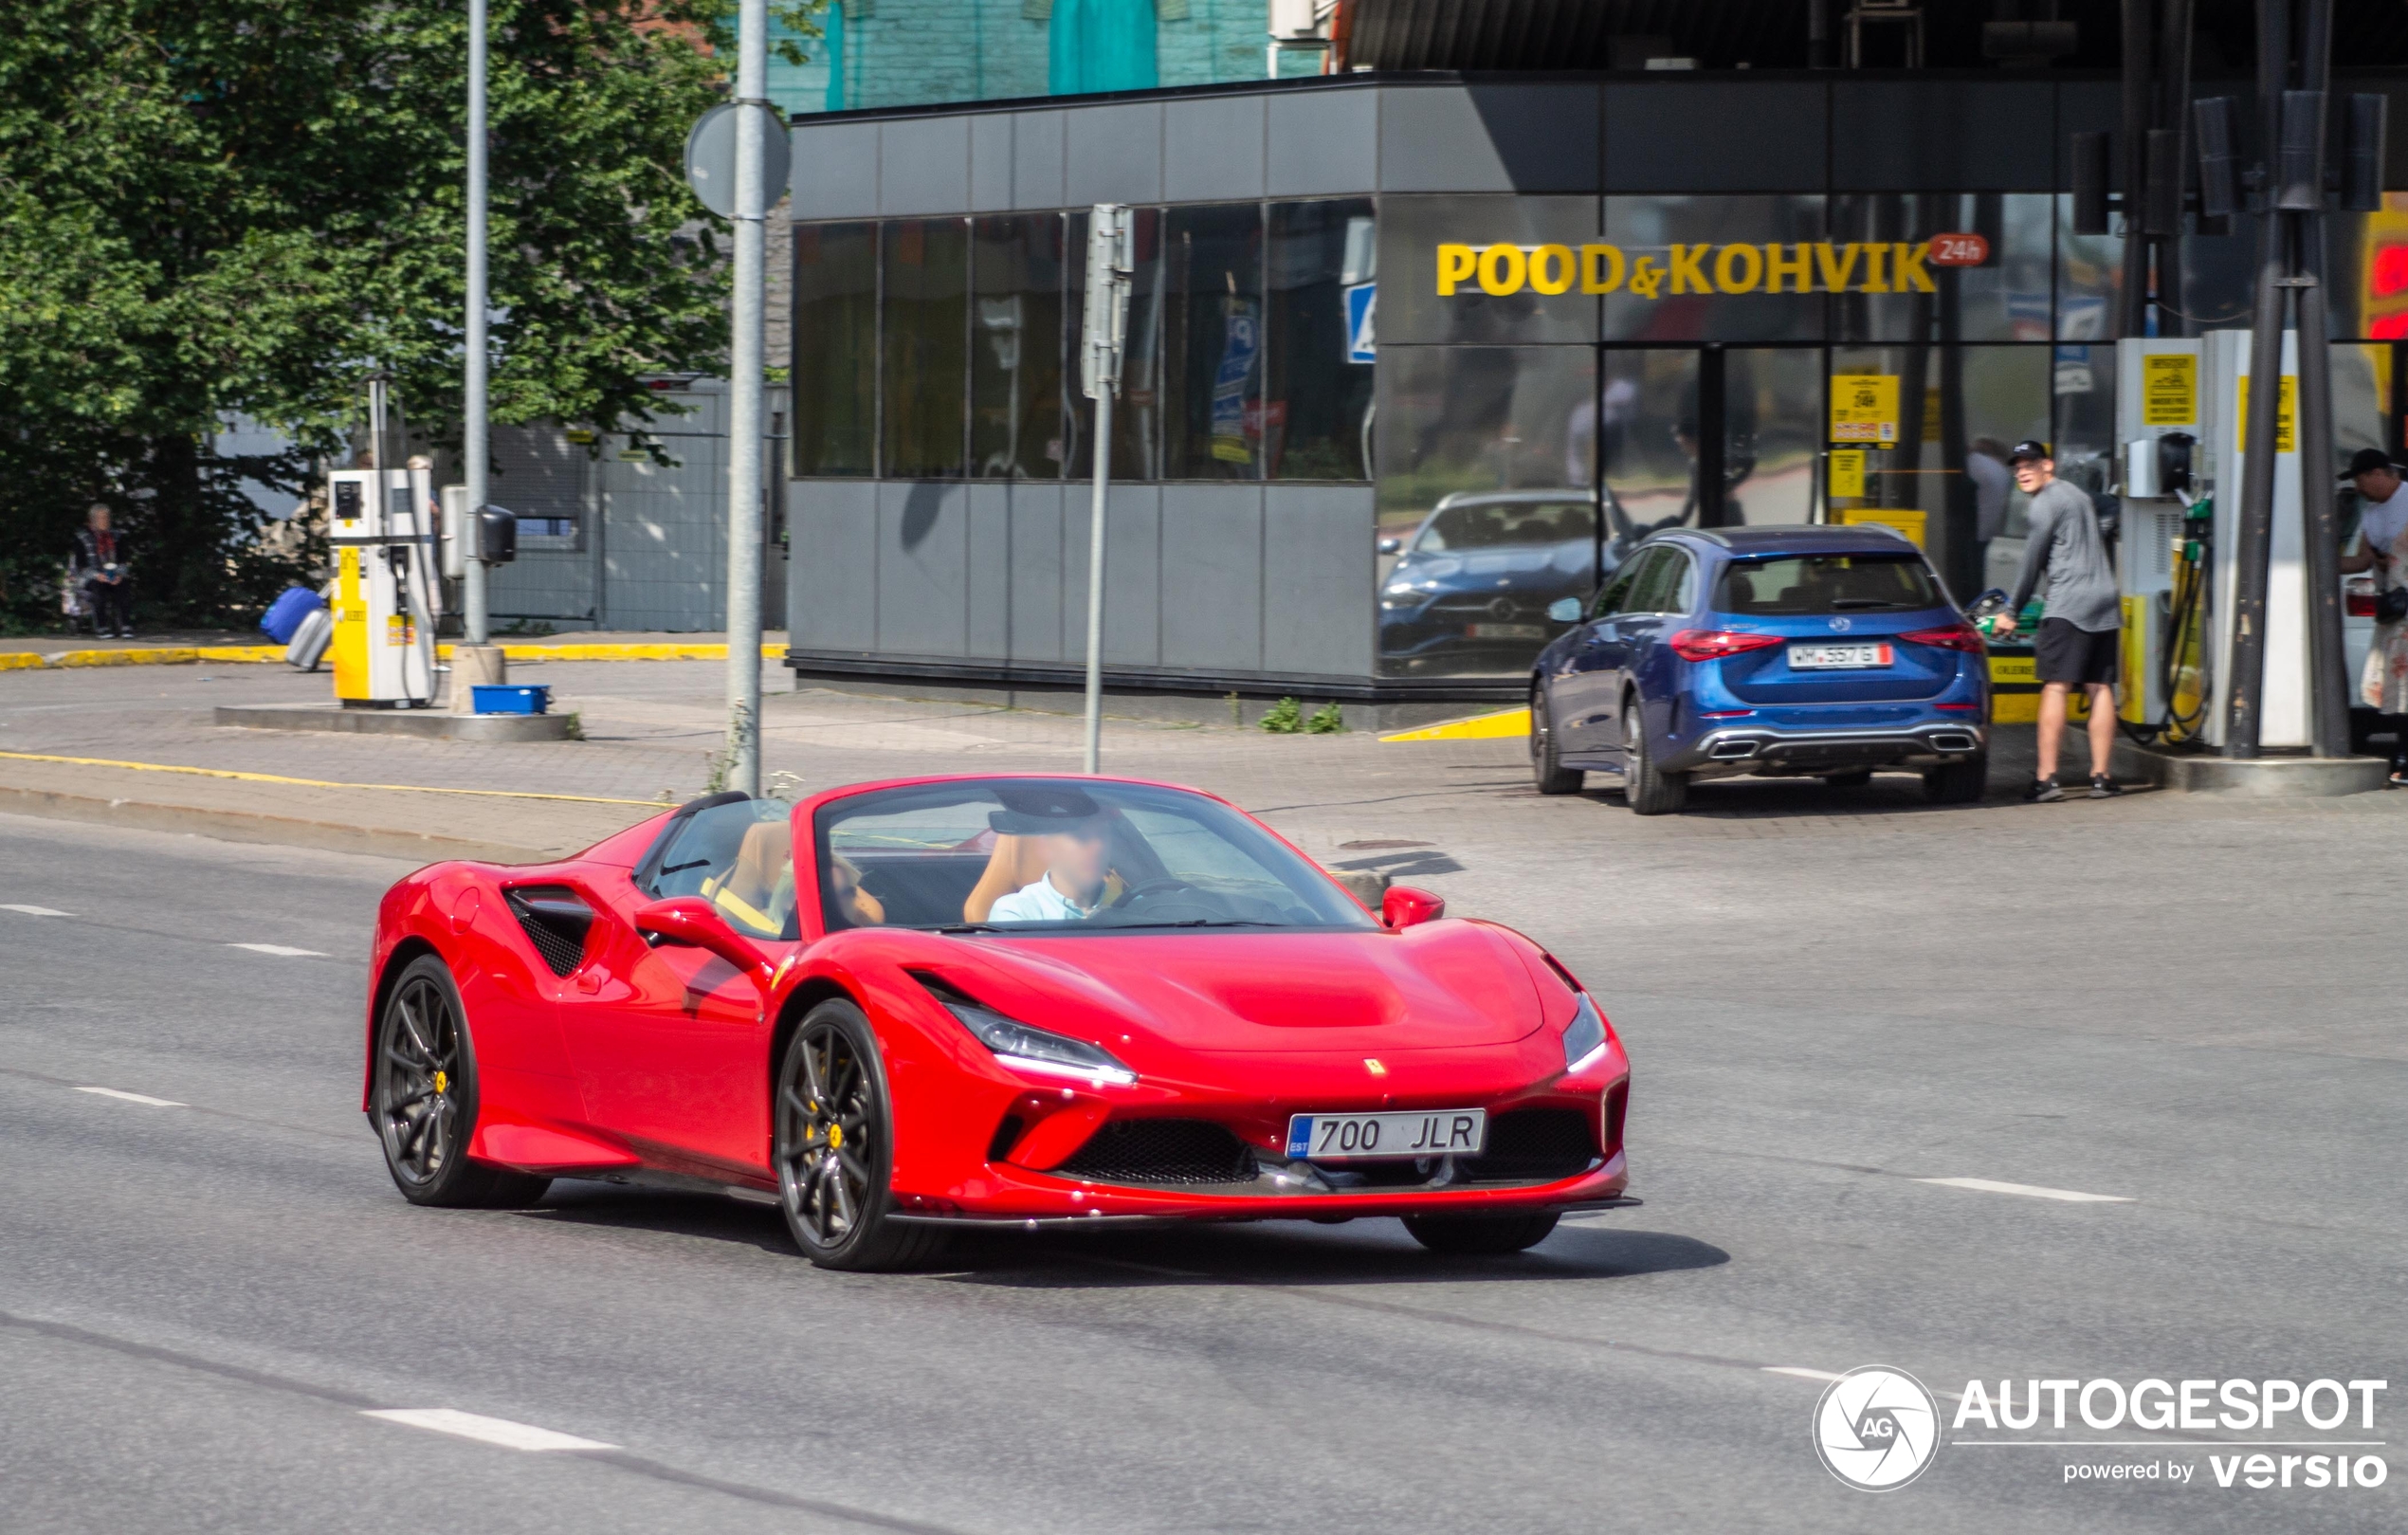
[(1828, 652)]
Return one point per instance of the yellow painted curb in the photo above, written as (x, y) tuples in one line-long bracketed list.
[(319, 783), (1502, 725), (21, 661)]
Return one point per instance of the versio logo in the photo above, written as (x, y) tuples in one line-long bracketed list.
[(1876, 1428)]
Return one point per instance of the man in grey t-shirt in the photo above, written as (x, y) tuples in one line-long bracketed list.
[(2081, 615)]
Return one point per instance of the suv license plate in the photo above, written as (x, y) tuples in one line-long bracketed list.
[(1830, 657), (1444, 1132)]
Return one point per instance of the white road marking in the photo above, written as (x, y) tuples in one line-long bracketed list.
[(280, 950), (136, 1097), (1802, 1372), (37, 911), (2029, 1191), (499, 1431)]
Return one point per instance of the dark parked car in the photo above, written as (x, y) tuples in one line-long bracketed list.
[(1827, 652), (1472, 585)]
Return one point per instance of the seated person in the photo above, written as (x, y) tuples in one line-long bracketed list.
[(758, 889), (855, 906), (1074, 832)]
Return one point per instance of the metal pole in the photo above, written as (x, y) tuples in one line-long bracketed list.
[(475, 445), (2328, 684), (2254, 539), (2174, 89), (2134, 320), (1103, 447), (753, 117)]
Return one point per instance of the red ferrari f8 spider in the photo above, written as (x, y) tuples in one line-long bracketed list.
[(903, 1008)]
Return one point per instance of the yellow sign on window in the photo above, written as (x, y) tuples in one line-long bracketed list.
[(1847, 471), (1864, 409), (2169, 388), (2284, 440), (1911, 521)]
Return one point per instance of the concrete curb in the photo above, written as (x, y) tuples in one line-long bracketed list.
[(177, 655), (2257, 778), (429, 723), (248, 825)]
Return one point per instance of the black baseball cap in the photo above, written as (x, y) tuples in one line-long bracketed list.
[(2029, 448), (1036, 809), (2366, 461)]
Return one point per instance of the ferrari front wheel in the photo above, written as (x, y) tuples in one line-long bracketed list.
[(424, 1100), (835, 1147), (1478, 1235)]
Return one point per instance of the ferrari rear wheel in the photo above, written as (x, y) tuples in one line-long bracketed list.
[(834, 1148), (1479, 1235), (423, 1101)]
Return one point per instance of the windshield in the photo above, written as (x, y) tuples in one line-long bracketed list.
[(1827, 584), (1062, 856), (1501, 524)]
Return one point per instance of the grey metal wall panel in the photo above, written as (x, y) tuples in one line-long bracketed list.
[(552, 584), (989, 572), (664, 527), (1716, 136), (1317, 552), (835, 170), (1113, 154), (1212, 149), (1131, 576), (1322, 142), (831, 594), (1956, 136), (990, 162), (1212, 577), (924, 552), (1036, 159), (923, 165), (1036, 563), (1488, 138)]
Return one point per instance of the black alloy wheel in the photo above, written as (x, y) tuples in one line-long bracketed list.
[(1546, 765), (1480, 1235), (834, 1148), (424, 1099), (1649, 789)]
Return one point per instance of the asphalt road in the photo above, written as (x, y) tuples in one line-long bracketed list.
[(200, 1304)]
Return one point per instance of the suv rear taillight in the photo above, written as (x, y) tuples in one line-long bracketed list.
[(1714, 644), (2358, 604), (1967, 640)]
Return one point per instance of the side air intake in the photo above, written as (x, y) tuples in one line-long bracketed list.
[(555, 919)]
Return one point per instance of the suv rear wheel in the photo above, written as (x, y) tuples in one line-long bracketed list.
[(1650, 789), (1957, 783), (1546, 767)]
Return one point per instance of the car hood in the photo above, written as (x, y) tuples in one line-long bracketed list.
[(1473, 565), (1442, 984)]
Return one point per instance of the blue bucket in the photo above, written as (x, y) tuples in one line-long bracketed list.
[(511, 698)]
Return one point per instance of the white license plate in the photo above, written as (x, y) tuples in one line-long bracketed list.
[(1441, 1132), (1505, 632), (1830, 657)]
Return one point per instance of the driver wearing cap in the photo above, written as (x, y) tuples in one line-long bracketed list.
[(1074, 832)]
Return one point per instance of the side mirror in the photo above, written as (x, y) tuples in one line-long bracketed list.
[(1388, 546), (1401, 905), (694, 921), (1564, 610)]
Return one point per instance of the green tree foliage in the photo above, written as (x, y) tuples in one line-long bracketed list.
[(215, 207)]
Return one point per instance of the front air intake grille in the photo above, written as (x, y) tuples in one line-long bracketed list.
[(1161, 1151), (556, 922), (1533, 1145)]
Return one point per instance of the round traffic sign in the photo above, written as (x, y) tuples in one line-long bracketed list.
[(710, 158)]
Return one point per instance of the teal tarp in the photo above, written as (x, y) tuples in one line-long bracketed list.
[(831, 26), (1101, 45)]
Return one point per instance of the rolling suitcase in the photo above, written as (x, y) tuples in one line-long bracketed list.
[(310, 640)]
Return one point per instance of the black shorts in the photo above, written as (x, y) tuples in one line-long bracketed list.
[(2078, 656)]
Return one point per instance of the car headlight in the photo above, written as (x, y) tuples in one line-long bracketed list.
[(1584, 1037), (1024, 1048)]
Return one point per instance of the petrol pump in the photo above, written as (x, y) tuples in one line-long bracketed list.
[(387, 593), (2182, 415)]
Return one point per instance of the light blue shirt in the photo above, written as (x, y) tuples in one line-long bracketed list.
[(1038, 902)]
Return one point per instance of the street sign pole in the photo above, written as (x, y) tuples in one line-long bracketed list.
[(475, 445), (753, 118), (1103, 325)]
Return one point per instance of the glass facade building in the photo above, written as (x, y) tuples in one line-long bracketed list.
[(1408, 362)]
